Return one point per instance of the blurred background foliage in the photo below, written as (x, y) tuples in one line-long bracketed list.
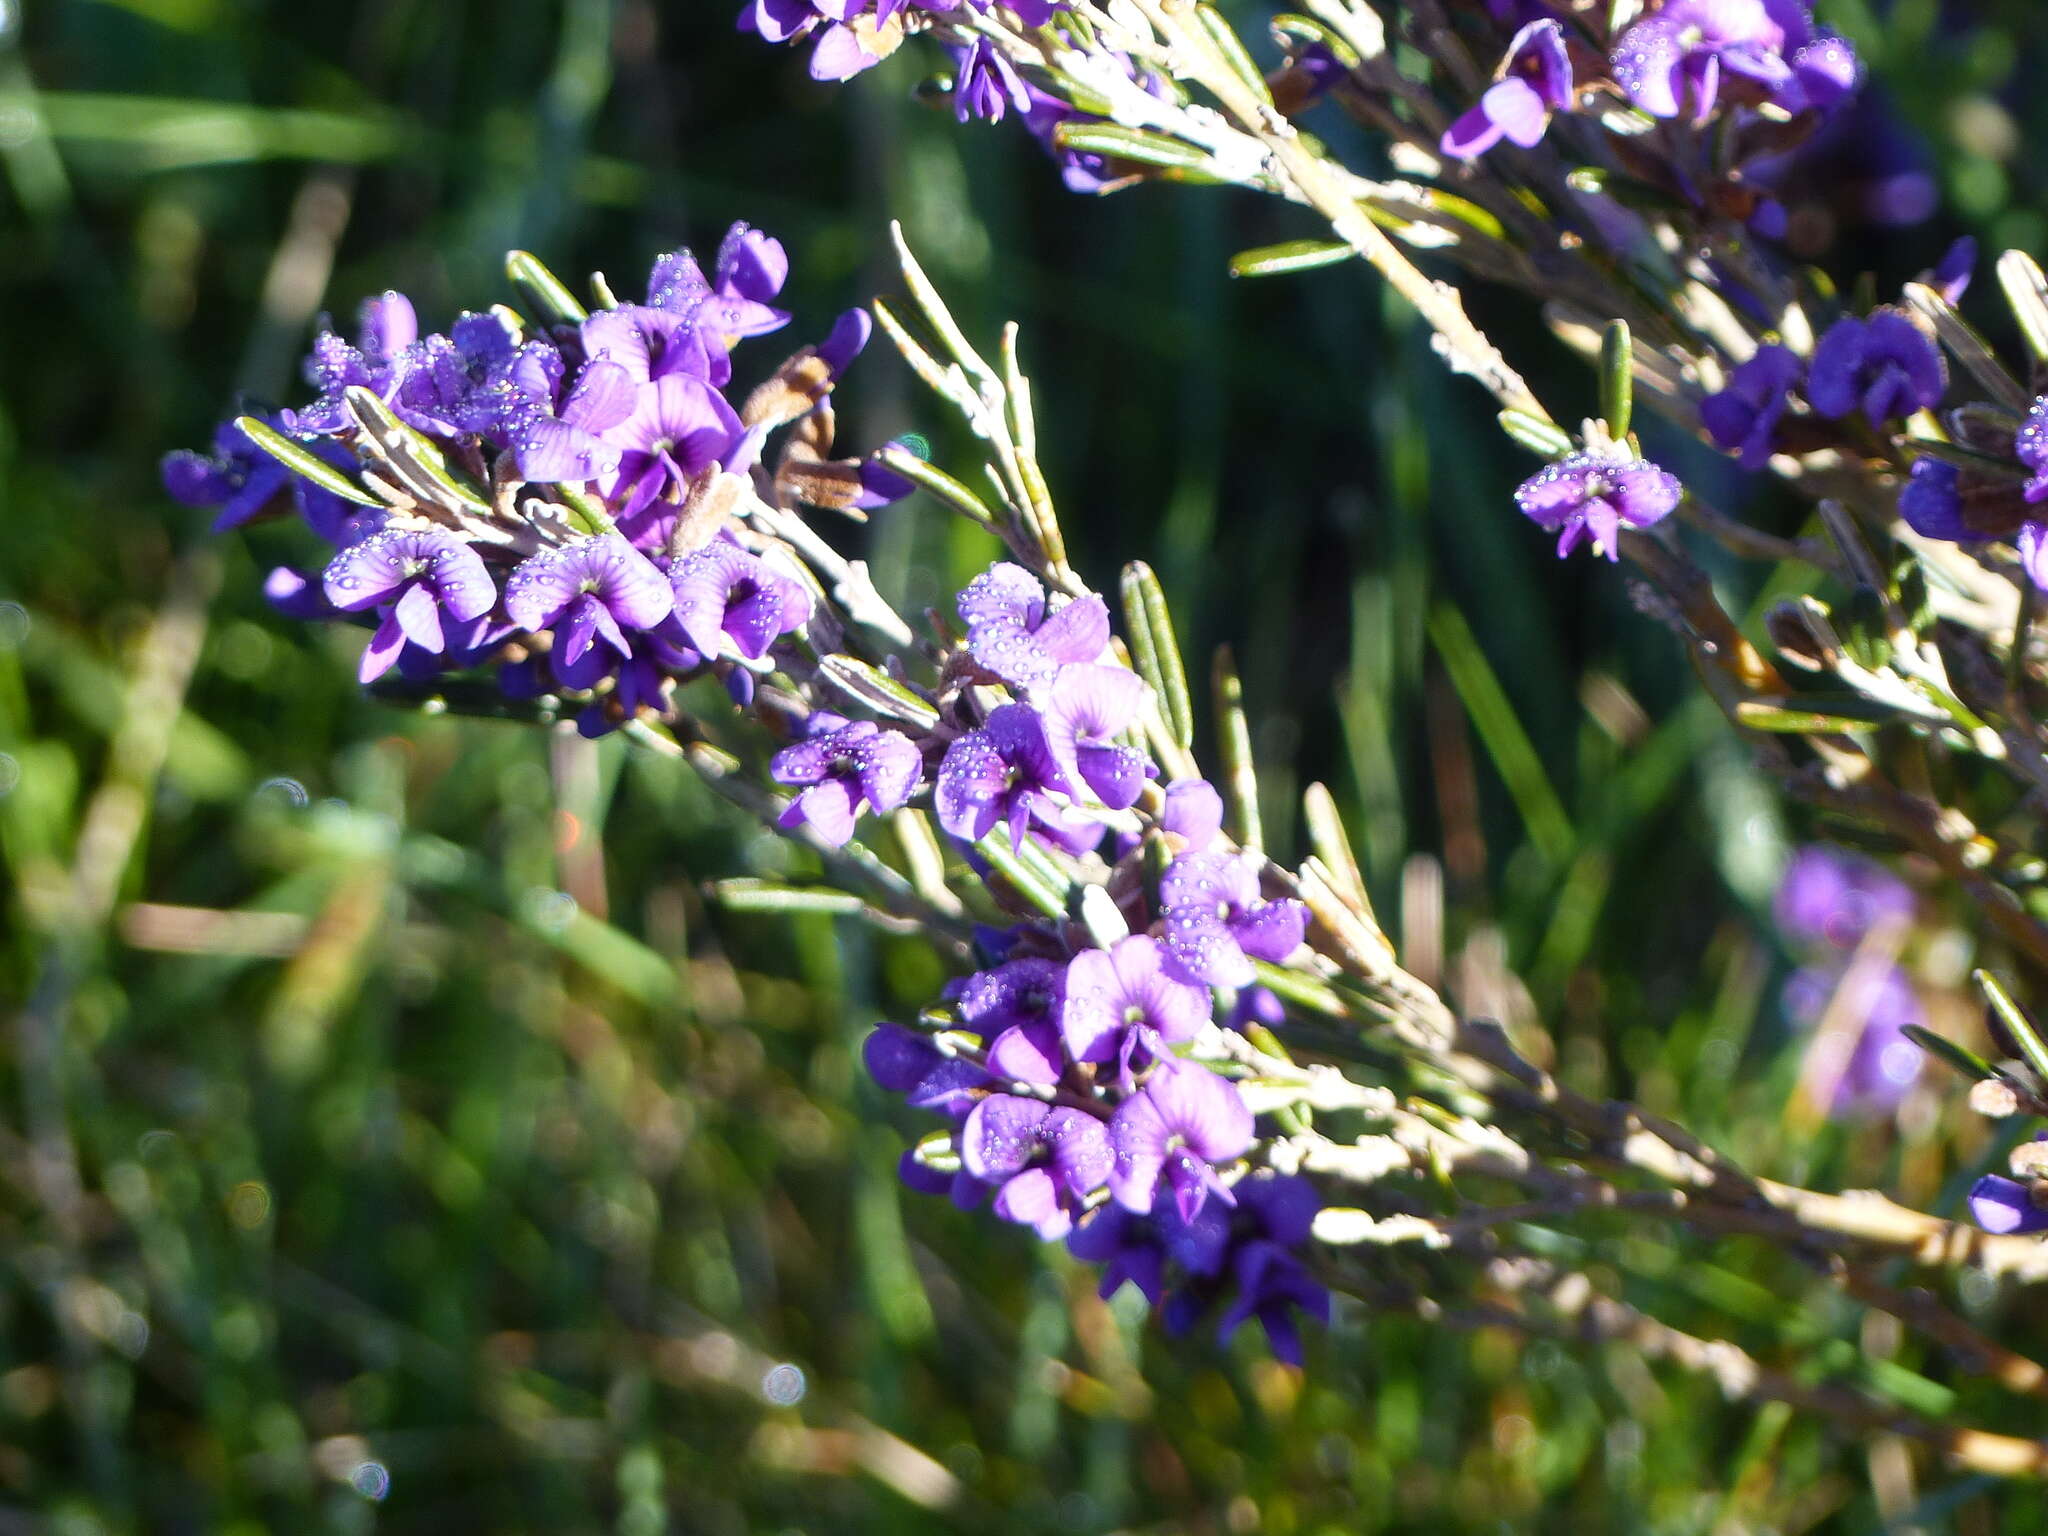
[(393, 1135)]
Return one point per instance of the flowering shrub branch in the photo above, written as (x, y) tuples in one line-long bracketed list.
[(1204, 1071)]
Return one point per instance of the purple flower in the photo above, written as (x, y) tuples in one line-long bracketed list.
[(734, 302), (1685, 52), (1047, 1160), (639, 681), (678, 427), (1876, 1005), (1130, 1249), (1257, 1006), (596, 588), (1743, 418), (414, 577), (1000, 773), (1016, 1007), (2006, 1206), (986, 84), (840, 769), (1194, 813), (2032, 544), (1533, 81), (723, 593), (902, 1061), (961, 1187), (1178, 1127), (1592, 495), (1011, 632), (1216, 924), (1837, 898), (1123, 1006), (1951, 275), (1824, 68), (1085, 709), (387, 332), (1931, 502), (856, 36), (296, 595), (1885, 365), (1272, 1286), (568, 445), (2031, 445), (477, 378), (651, 343)]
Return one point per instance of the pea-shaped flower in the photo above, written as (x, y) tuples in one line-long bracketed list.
[(1184, 1122), (414, 577), (1594, 494), (842, 769), (1046, 1160)]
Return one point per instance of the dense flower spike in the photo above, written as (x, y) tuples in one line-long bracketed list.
[(1593, 494)]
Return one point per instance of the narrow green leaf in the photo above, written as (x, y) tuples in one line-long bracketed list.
[(1539, 437), (550, 295), (417, 460), (2026, 290), (751, 895), (1234, 739), (2017, 1024), (1327, 837), (928, 299), (1156, 652), (303, 462), (1617, 379), (942, 485), (1967, 347), (930, 372), (1133, 144), (1967, 1063), (1507, 743), (1813, 714), (1291, 28), (1231, 47), (877, 690), (1290, 256), (1029, 884)]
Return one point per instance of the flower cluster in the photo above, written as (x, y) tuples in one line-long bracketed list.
[(1691, 60), (1828, 905), (856, 35), (1079, 1069), (1877, 369), (548, 496)]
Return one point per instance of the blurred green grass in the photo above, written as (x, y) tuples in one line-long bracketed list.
[(395, 1138)]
